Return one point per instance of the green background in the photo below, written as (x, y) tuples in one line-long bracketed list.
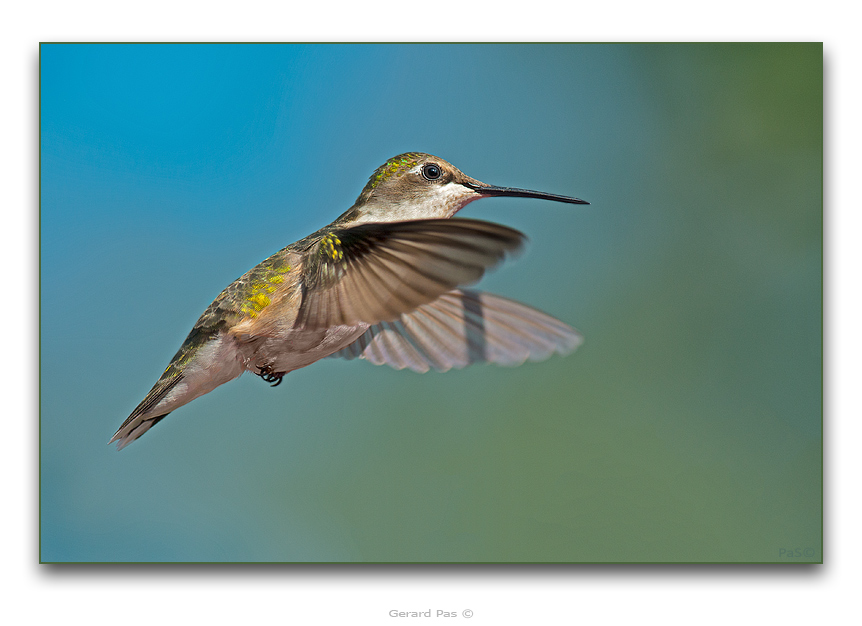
[(686, 428)]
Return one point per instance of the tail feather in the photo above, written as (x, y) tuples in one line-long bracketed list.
[(130, 431), (140, 421), (205, 361)]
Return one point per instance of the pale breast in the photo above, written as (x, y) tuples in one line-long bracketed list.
[(296, 348)]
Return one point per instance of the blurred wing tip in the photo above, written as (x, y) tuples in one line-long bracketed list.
[(572, 341)]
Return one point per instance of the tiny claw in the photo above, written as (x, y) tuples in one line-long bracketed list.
[(275, 379), (269, 376)]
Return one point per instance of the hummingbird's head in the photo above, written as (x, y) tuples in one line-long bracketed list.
[(413, 186)]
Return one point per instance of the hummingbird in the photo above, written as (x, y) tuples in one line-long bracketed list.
[(384, 282)]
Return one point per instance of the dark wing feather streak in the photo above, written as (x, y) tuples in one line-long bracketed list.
[(374, 273)]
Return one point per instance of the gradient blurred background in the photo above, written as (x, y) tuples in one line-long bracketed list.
[(687, 428)]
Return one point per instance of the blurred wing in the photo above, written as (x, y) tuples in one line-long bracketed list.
[(461, 328), (373, 273)]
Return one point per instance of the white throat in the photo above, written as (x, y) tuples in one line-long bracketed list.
[(442, 203)]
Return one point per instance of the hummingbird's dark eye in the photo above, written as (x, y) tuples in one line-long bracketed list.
[(431, 171)]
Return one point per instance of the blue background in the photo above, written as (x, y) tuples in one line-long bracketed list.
[(686, 428)]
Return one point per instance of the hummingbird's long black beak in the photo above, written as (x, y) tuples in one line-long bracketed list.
[(513, 192)]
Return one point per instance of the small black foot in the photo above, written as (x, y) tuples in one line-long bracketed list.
[(271, 377)]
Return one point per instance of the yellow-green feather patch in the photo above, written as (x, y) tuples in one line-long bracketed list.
[(395, 167), (266, 278), (330, 246)]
